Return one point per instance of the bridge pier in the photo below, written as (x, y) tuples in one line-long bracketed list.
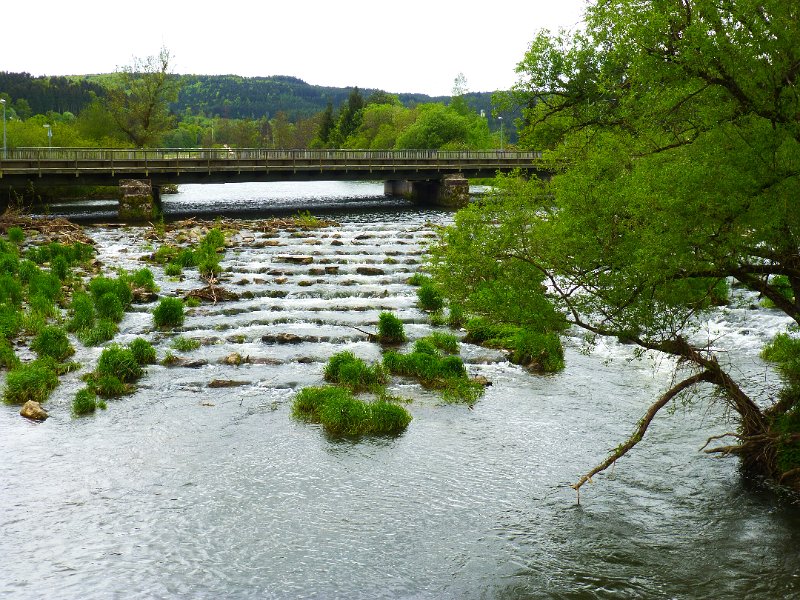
[(452, 191), (139, 200)]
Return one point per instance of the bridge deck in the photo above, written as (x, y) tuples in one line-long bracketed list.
[(76, 166)]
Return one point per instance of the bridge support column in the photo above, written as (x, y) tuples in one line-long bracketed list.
[(138, 200), (452, 191)]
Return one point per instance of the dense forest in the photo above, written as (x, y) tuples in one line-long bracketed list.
[(180, 111)]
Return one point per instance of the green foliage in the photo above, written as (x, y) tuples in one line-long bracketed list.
[(345, 369), (173, 270), (59, 267), (109, 307), (430, 297), (102, 331), (15, 235), (142, 279), (11, 292), (31, 381), (444, 127), (165, 254), (46, 285), (27, 269), (444, 373), (446, 342), (539, 351), (418, 279), (10, 321), (184, 344), (341, 414), (455, 315), (109, 386), (169, 313), (101, 286), (52, 341), (8, 358), (84, 403), (390, 329), (785, 351), (143, 351), (119, 362), (81, 311)]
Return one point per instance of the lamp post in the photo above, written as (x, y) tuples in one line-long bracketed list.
[(3, 102), (501, 133), (49, 134)]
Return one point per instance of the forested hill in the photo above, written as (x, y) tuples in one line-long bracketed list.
[(39, 95), (229, 96)]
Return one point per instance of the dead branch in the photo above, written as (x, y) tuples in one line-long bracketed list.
[(644, 423), (718, 437)]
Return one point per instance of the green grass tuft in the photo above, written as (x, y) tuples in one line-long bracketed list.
[(143, 351), (84, 403), (120, 362), (353, 373), (52, 341), (169, 313), (390, 329), (31, 381), (184, 344)]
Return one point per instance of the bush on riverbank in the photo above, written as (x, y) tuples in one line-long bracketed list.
[(86, 402), (52, 341)]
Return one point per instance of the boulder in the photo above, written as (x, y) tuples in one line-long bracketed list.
[(295, 259), (281, 338), (226, 383), (33, 410), (370, 271)]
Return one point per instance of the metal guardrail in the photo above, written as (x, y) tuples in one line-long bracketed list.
[(259, 154)]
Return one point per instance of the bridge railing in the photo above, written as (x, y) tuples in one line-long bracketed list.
[(261, 154)]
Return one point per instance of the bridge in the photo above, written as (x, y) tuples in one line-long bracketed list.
[(424, 175)]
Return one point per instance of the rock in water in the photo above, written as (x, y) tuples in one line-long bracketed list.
[(33, 410)]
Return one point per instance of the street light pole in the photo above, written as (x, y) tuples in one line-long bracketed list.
[(501, 133), (3, 102), (49, 134)]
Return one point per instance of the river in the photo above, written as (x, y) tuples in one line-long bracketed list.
[(187, 491)]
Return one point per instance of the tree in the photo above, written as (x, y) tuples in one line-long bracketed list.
[(674, 134), (349, 118), (139, 98)]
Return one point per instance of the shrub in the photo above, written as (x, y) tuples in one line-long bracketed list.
[(52, 341), (209, 266), (429, 297), (9, 263), (213, 239), (16, 235), (32, 322), (109, 307), (184, 344), (32, 381), (120, 362), (8, 358), (165, 254), (353, 373), (785, 351), (390, 329), (143, 351), (103, 331), (169, 313), (186, 258), (82, 312), (84, 403)]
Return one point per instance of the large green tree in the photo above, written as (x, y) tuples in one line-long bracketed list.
[(673, 127), (139, 97)]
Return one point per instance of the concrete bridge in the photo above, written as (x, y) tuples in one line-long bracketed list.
[(430, 176)]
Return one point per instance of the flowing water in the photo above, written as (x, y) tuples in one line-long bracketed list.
[(186, 491)]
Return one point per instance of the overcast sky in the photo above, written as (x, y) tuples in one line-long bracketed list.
[(406, 46)]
